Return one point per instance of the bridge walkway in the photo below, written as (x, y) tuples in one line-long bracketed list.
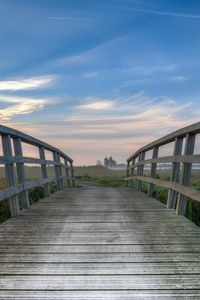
[(99, 243)]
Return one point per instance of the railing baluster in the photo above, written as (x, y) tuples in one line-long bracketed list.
[(172, 195), (140, 169), (128, 173), (153, 171), (185, 177), (24, 198), (10, 174), (44, 171), (132, 171), (57, 171), (67, 171), (72, 173), (60, 172)]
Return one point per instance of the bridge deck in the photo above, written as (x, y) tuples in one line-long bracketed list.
[(99, 243)]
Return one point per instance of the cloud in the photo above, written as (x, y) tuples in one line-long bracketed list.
[(179, 78), (131, 122), (91, 55), (91, 74), (20, 106), (96, 104), (154, 12), (26, 83), (73, 19)]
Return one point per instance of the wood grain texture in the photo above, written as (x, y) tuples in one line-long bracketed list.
[(99, 243)]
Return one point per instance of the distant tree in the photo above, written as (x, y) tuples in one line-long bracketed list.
[(98, 163), (112, 162), (106, 162)]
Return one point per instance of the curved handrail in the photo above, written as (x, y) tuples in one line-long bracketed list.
[(178, 189), (18, 189)]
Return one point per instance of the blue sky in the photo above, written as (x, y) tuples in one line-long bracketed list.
[(99, 77)]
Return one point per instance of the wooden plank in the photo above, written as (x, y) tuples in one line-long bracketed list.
[(103, 268), (106, 282), (99, 244), (108, 248), (102, 295), (184, 190), (101, 257)]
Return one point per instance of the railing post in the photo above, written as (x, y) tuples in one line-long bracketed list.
[(24, 198), (67, 171), (60, 172), (72, 173), (10, 174), (153, 171), (44, 171), (57, 171), (185, 177), (172, 195), (127, 173), (132, 170), (140, 169)]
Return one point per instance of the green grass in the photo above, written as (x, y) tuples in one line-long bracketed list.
[(104, 181)]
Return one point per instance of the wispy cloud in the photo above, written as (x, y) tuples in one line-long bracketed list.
[(91, 55), (69, 19), (91, 74), (154, 12), (179, 78), (26, 83), (96, 104), (20, 106), (146, 119)]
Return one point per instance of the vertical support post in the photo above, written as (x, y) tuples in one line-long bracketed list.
[(140, 170), (60, 172), (132, 170), (44, 171), (72, 173), (10, 174), (67, 171), (127, 173), (185, 178), (153, 171), (172, 195), (23, 196), (57, 171)]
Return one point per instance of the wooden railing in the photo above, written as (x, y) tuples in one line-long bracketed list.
[(13, 159), (178, 186)]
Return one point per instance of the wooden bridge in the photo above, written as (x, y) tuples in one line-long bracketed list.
[(93, 242)]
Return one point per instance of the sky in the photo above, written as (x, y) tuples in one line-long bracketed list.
[(99, 77)]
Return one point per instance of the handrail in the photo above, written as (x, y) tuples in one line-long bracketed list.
[(178, 190), (17, 190)]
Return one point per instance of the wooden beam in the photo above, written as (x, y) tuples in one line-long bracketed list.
[(186, 172), (23, 196), (44, 170), (172, 194), (153, 171), (10, 175)]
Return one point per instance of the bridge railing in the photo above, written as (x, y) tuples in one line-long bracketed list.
[(14, 160), (182, 159)]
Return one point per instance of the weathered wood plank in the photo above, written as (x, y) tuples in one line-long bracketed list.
[(101, 257), (105, 282), (102, 295), (99, 244), (103, 268)]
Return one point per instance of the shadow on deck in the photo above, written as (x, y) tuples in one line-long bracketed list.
[(99, 243)]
